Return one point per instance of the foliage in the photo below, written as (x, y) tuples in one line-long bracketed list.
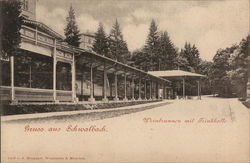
[(118, 49), (159, 53), (71, 31), (191, 54), (100, 45), (167, 53), (205, 68), (11, 22), (181, 62), (139, 59), (230, 70), (151, 47)]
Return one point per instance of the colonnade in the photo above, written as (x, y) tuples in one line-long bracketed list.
[(132, 87)]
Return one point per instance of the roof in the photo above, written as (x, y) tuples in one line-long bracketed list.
[(122, 64), (80, 51), (175, 73), (87, 34), (44, 27)]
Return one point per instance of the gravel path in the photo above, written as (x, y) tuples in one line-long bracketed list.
[(208, 130)]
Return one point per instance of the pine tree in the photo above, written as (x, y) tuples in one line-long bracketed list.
[(166, 53), (118, 47), (71, 31), (10, 25), (192, 55), (159, 52), (100, 45), (196, 58), (181, 62), (152, 36), (151, 46)]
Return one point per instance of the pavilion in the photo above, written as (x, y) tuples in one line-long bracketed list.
[(180, 75), (46, 69)]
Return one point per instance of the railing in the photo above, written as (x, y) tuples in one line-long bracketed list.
[(5, 93), (34, 94), (64, 95)]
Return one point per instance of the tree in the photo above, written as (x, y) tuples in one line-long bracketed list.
[(10, 25), (118, 47), (205, 68), (166, 53), (191, 53), (229, 72), (219, 72), (158, 53), (139, 60), (100, 45), (71, 31), (151, 46), (181, 62), (239, 61)]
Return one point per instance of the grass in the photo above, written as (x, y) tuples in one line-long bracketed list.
[(32, 108), (83, 117)]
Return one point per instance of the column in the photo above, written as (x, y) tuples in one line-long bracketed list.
[(91, 99), (145, 91), (111, 88), (198, 89), (150, 90), (105, 99), (54, 73), (125, 87), (73, 72), (139, 97), (248, 90), (183, 88), (156, 87), (12, 79), (164, 91), (167, 93), (153, 91), (248, 83), (157, 90), (116, 92), (82, 83), (133, 89)]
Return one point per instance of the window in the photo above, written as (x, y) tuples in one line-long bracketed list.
[(33, 71)]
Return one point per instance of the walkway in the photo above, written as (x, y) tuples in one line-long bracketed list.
[(168, 133)]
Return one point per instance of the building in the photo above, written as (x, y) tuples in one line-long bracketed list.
[(46, 69), (29, 9), (87, 40)]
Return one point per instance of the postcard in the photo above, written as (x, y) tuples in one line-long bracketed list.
[(125, 81)]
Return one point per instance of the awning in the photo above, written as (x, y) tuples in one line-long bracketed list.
[(175, 74)]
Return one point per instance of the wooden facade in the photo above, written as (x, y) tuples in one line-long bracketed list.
[(92, 76)]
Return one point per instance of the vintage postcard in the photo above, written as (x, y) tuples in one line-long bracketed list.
[(125, 81)]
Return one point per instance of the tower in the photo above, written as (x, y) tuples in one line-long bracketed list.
[(29, 9)]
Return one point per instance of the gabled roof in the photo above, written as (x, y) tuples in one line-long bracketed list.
[(44, 27), (175, 73)]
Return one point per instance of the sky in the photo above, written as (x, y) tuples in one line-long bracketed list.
[(210, 25)]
